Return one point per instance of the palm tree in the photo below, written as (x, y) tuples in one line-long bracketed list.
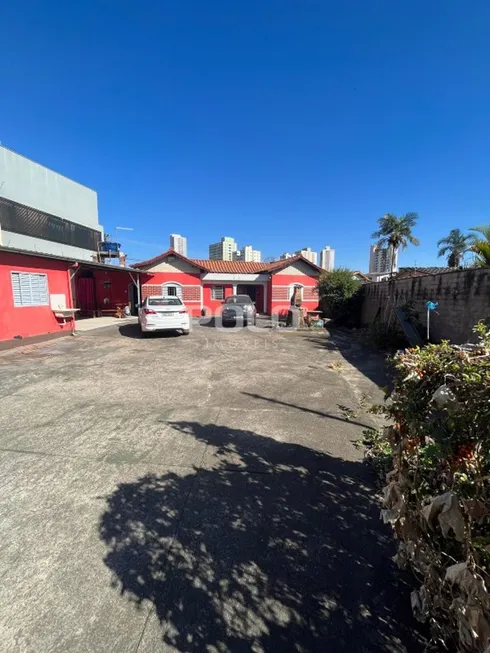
[(396, 232), (481, 246), (455, 245)]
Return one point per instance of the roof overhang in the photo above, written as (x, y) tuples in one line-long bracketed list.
[(230, 276), (280, 265), (67, 259), (145, 266)]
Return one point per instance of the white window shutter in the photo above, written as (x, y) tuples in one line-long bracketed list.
[(25, 289), (30, 289), (16, 289), (43, 289)]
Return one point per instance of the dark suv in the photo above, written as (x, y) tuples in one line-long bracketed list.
[(238, 308)]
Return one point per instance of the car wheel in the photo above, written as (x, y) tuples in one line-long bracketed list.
[(143, 334), (186, 332)]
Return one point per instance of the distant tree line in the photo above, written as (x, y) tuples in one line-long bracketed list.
[(397, 232), (339, 290)]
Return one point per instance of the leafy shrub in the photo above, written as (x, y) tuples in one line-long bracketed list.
[(340, 297), (377, 451), (384, 337), (437, 495)]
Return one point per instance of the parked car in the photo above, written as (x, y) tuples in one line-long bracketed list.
[(163, 314), (238, 308)]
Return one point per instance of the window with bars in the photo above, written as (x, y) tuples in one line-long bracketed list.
[(30, 289), (172, 290), (217, 292)]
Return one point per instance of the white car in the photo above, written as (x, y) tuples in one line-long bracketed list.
[(163, 314)]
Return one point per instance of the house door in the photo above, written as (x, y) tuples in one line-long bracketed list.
[(256, 294), (85, 290), (251, 291), (133, 298)]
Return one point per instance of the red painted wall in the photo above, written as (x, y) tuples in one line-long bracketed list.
[(112, 286), (183, 278), (214, 306), (28, 321), (279, 300), (151, 285)]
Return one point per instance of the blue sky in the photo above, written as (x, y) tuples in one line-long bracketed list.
[(282, 123)]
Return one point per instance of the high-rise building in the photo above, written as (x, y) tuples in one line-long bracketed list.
[(178, 243), (223, 251), (327, 257), (382, 260), (247, 253), (307, 253), (286, 255)]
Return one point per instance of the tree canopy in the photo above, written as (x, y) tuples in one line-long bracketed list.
[(396, 232), (481, 245), (454, 246)]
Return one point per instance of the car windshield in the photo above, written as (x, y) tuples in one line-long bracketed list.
[(238, 299), (164, 301)]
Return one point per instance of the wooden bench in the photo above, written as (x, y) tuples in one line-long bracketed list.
[(114, 312)]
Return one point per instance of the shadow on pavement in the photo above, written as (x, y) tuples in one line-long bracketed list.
[(133, 331), (307, 410), (217, 323), (211, 322), (273, 547), (372, 364)]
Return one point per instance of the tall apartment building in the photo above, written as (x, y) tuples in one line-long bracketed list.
[(178, 243), (223, 251), (327, 258), (248, 253), (284, 256), (43, 211), (381, 260), (308, 254)]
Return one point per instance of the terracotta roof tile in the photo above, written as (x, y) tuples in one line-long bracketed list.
[(232, 267), (156, 259), (226, 267), (245, 267)]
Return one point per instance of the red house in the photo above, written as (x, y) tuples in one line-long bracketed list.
[(203, 285), (35, 288)]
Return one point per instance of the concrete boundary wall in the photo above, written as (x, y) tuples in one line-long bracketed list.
[(463, 296)]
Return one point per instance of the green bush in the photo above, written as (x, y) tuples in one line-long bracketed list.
[(340, 296), (437, 496), (384, 337)]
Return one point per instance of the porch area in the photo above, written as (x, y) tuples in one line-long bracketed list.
[(103, 292), (90, 323)]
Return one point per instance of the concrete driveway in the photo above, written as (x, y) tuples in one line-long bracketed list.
[(191, 494)]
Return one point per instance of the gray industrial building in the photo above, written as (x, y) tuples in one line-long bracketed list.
[(43, 211)]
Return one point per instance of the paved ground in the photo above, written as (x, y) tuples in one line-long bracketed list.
[(191, 494), (90, 323)]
